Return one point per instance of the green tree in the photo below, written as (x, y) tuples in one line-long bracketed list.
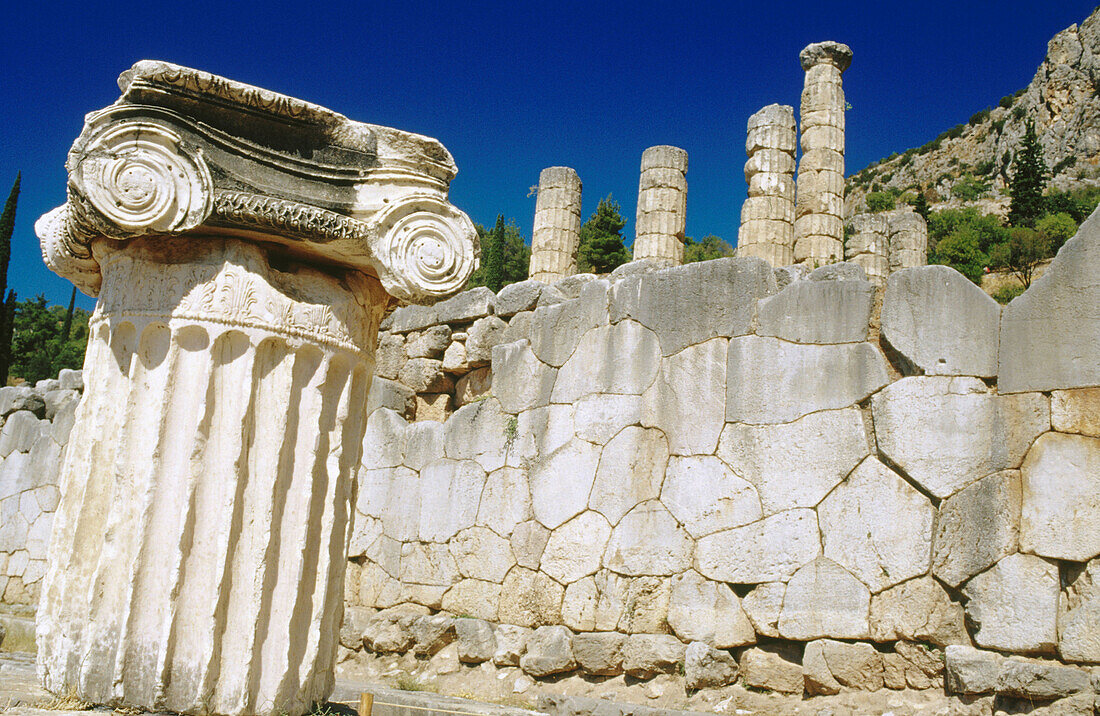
[(960, 251), (988, 228), (7, 306), (494, 257), (1021, 253), (601, 241), (513, 256), (709, 247), (1057, 228), (38, 347), (920, 205), (969, 188), (880, 201), (1029, 178)]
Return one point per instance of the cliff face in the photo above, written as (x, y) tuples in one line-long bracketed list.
[(1063, 100)]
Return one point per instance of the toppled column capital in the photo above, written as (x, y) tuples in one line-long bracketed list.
[(185, 151), (836, 54)]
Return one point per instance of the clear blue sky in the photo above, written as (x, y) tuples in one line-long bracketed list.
[(513, 87)]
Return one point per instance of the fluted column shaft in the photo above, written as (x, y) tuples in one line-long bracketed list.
[(767, 216), (556, 234), (869, 246), (908, 240), (662, 206), (819, 221)]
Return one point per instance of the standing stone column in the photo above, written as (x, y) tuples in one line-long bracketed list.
[(557, 230), (869, 246), (908, 240), (662, 206), (819, 222), (767, 216), (243, 246)]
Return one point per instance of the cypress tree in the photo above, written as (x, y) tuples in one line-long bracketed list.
[(7, 308), (1029, 178), (601, 240), (494, 257)]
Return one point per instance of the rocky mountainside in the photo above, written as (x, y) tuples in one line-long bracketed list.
[(971, 162)]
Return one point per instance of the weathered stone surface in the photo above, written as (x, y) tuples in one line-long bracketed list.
[(561, 482), (945, 432), (856, 666), (482, 336), (598, 418), (1079, 616), (432, 633), (1048, 335), (528, 543), (390, 394), (413, 318), (763, 606), (702, 610), (877, 526), (771, 668), (480, 553), (430, 343), (521, 380), (631, 469), (516, 297), (971, 671), (917, 610), (685, 399), (57, 399), (646, 655), (429, 565), (511, 644), (1040, 680), (765, 551), (818, 311), (1023, 418), (706, 667), (20, 397), (435, 407), (557, 330), (539, 432), (1060, 514), (454, 358), (473, 598), (505, 501), (571, 286), (68, 379), (599, 653), (425, 375), (475, 640), (530, 599), (475, 385), (20, 432), (575, 548), (479, 432), (648, 541), (549, 651), (351, 630), (976, 527), (796, 464), (634, 605), (756, 365), (1072, 411), (1014, 605), (817, 676), (466, 306), (705, 496), (393, 496), (579, 605), (423, 444), (824, 600), (390, 630), (669, 303), (597, 366), (450, 491), (940, 322), (923, 665)]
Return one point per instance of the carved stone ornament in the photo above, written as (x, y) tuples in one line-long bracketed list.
[(184, 151)]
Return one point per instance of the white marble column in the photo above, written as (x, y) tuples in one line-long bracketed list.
[(556, 234), (662, 206), (198, 553), (767, 216)]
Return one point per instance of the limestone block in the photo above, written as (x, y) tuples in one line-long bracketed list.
[(571, 286), (511, 643), (1076, 411), (578, 606), (480, 432), (755, 365), (877, 526), (599, 653), (772, 668), (1023, 417), (435, 407), (529, 540), (390, 630), (856, 666), (940, 322), (557, 330), (765, 551), (550, 296), (530, 599), (562, 481), (516, 297), (685, 399), (923, 666), (976, 527), (648, 541), (646, 655), (391, 394), (473, 598), (818, 312), (1033, 679), (822, 137), (1048, 335), (425, 375), (598, 418), (423, 444), (68, 379), (390, 357), (824, 600), (63, 423), (705, 496), (378, 589), (21, 430), (450, 491), (432, 633), (917, 610), (702, 610), (796, 464), (505, 501), (631, 469), (944, 432), (393, 496), (57, 399), (519, 328), (428, 564), (763, 606), (597, 366), (575, 548), (1060, 513), (454, 358), (1079, 616), (20, 397), (669, 303), (522, 380), (466, 306), (483, 335), (475, 640), (705, 667), (475, 385), (413, 318), (819, 680), (430, 343), (539, 432), (641, 603), (549, 651), (971, 671), (1014, 605), (480, 553)]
